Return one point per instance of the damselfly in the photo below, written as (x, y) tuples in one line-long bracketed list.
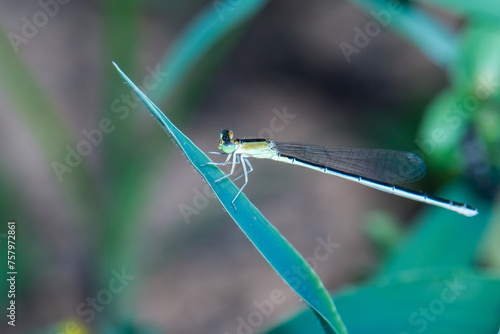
[(379, 169)]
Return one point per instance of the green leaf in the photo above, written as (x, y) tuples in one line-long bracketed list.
[(417, 301), (482, 8), (180, 81), (430, 36), (38, 112), (477, 70), (442, 128), (266, 238), (217, 20), (50, 132), (121, 21)]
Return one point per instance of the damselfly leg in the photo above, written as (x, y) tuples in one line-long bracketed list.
[(236, 159)]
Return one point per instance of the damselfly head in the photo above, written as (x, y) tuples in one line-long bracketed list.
[(226, 143)]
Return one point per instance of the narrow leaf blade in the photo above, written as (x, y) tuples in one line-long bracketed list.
[(266, 238)]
